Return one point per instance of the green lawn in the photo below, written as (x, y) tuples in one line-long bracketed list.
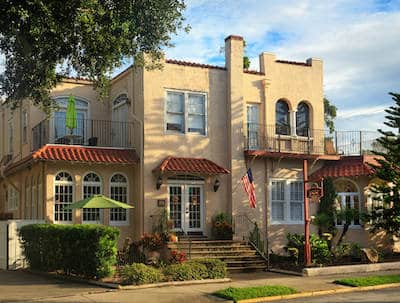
[(369, 281), (236, 293)]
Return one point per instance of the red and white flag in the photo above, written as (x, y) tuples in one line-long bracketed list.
[(248, 186)]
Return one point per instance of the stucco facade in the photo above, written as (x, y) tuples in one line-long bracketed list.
[(221, 101)]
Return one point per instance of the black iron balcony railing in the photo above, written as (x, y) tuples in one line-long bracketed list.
[(284, 139), (88, 132)]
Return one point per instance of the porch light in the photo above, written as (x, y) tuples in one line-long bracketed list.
[(159, 182), (217, 183)]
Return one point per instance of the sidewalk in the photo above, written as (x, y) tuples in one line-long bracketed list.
[(202, 293)]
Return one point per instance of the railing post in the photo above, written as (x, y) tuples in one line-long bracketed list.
[(309, 140), (361, 143), (336, 142)]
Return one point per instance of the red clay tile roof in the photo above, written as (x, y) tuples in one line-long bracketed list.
[(85, 154), (293, 62), (190, 165), (350, 166)]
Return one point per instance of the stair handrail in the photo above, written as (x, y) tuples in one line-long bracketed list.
[(254, 236)]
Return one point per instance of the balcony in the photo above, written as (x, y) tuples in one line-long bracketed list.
[(101, 133), (282, 139)]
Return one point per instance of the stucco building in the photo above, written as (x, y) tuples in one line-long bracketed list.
[(181, 138)]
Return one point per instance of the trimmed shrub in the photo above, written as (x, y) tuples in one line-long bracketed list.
[(186, 271), (216, 269), (84, 250), (139, 273), (319, 248)]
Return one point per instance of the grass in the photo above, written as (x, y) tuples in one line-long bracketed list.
[(368, 281), (242, 293)]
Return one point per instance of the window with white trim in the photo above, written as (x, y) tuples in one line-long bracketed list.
[(186, 112), (63, 196), (12, 198), (34, 199), (24, 127), (119, 192), (287, 201), (91, 187)]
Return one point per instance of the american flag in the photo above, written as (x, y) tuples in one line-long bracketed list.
[(248, 186)]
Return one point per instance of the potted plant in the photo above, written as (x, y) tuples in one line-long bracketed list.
[(222, 227)]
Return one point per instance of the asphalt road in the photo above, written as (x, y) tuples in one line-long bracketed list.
[(389, 295)]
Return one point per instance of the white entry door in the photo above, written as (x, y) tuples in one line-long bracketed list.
[(120, 130), (186, 207)]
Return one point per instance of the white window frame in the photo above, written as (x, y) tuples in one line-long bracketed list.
[(62, 102), (343, 206), (12, 198), (287, 202), (10, 137), (63, 183), (116, 184), (186, 94), (92, 184)]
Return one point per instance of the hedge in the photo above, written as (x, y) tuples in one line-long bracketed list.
[(139, 273), (84, 250)]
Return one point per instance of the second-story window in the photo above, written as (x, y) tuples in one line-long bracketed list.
[(10, 137), (24, 127), (302, 120), (282, 118), (186, 112)]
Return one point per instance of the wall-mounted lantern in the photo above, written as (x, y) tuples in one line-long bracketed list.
[(159, 182), (217, 183)]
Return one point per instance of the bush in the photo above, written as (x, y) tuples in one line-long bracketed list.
[(85, 250), (216, 269), (139, 273), (320, 252), (186, 271)]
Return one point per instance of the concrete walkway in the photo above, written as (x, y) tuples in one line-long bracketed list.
[(47, 290)]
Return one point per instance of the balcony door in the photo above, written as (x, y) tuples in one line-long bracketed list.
[(119, 127), (186, 206), (253, 126)]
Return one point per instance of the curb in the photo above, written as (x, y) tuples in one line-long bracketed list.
[(129, 287), (320, 293)]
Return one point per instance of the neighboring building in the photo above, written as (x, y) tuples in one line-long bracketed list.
[(181, 138)]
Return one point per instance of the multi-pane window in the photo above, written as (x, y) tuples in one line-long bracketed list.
[(27, 199), (186, 112), (91, 187), (282, 118), (10, 137), (349, 200), (119, 192), (12, 198), (287, 201), (303, 120), (34, 199), (24, 127), (63, 196)]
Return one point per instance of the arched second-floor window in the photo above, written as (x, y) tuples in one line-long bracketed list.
[(303, 120), (282, 118), (119, 192), (63, 196), (91, 187)]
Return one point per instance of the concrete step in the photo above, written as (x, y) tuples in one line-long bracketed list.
[(247, 268)]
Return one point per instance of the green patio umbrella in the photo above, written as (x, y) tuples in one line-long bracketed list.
[(97, 201), (70, 117)]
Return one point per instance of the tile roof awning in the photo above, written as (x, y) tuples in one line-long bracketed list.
[(191, 166), (351, 166), (83, 154)]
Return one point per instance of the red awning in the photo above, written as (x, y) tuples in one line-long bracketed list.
[(190, 165), (85, 154), (351, 166)]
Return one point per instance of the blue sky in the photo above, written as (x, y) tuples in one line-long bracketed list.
[(358, 40)]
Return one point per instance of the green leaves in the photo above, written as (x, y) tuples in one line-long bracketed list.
[(90, 37), (329, 115)]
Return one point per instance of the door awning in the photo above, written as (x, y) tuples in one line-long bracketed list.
[(190, 165)]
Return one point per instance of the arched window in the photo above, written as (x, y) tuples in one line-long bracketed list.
[(63, 196), (120, 115), (120, 100), (282, 118), (303, 120), (119, 192), (91, 187), (348, 197)]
